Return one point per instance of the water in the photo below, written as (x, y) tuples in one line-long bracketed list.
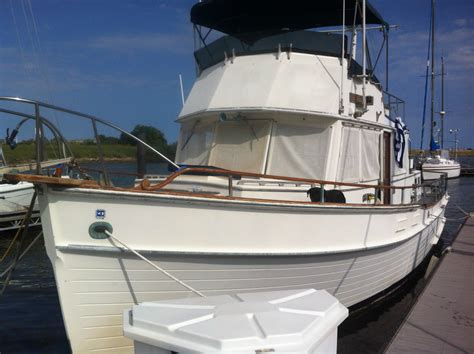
[(30, 314)]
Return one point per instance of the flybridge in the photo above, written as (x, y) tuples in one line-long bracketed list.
[(275, 26), (250, 20)]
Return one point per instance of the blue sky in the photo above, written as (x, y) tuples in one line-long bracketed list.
[(121, 59)]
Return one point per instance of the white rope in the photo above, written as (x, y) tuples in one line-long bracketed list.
[(462, 210), (154, 265)]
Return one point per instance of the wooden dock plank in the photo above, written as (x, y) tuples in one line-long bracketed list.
[(442, 320)]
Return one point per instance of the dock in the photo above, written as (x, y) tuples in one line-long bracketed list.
[(467, 171), (442, 320)]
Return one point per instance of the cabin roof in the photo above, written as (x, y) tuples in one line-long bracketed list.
[(250, 20)]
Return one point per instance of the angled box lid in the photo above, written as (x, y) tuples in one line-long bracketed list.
[(293, 320)]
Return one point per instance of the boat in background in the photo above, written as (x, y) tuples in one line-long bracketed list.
[(438, 163), (292, 171), (15, 199)]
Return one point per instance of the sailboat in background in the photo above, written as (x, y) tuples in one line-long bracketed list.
[(439, 163)]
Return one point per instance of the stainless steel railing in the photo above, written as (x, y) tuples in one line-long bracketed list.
[(40, 121)]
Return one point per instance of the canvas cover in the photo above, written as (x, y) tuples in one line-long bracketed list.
[(250, 20), (320, 43), (294, 150), (299, 150), (359, 158)]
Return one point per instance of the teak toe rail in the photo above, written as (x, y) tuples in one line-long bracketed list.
[(435, 190)]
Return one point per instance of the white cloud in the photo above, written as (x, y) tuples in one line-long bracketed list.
[(409, 51)]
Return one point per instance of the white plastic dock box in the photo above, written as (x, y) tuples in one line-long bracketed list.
[(296, 321)]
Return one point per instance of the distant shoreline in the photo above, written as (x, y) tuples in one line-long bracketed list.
[(451, 153), (106, 159)]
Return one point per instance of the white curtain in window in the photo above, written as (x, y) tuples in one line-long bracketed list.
[(241, 145), (299, 150), (195, 143), (349, 157), (370, 155), (359, 158)]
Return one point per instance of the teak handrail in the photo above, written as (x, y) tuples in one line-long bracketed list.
[(146, 185), (147, 188)]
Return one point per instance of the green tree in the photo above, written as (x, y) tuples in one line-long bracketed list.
[(111, 140), (171, 150), (150, 135)]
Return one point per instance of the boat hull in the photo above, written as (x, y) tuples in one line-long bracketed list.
[(20, 193), (432, 172), (14, 202), (97, 280)]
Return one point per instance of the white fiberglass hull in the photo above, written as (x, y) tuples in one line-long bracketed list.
[(434, 171), (14, 202), (20, 193), (219, 247)]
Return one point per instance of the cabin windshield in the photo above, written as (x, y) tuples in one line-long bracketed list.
[(287, 148), (300, 41), (235, 145)]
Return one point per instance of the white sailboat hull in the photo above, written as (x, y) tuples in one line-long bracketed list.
[(219, 247), (434, 171)]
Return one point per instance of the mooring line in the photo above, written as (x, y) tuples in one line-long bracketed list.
[(24, 230), (466, 214), (24, 253), (154, 265)]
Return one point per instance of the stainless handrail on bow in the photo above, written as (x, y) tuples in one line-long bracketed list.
[(94, 120)]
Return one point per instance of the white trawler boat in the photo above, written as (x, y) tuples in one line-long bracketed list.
[(276, 109)]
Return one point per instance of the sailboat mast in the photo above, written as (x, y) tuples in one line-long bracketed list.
[(432, 65), (442, 112), (364, 53)]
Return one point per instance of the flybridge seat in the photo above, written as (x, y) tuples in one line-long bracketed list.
[(301, 41), (311, 42)]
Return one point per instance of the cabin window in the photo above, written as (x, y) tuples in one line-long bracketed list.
[(195, 143), (299, 150), (241, 145), (359, 157)]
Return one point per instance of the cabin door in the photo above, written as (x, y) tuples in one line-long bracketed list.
[(387, 159)]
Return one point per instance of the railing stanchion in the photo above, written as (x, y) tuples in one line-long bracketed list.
[(322, 193), (101, 152), (229, 177), (39, 139)]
